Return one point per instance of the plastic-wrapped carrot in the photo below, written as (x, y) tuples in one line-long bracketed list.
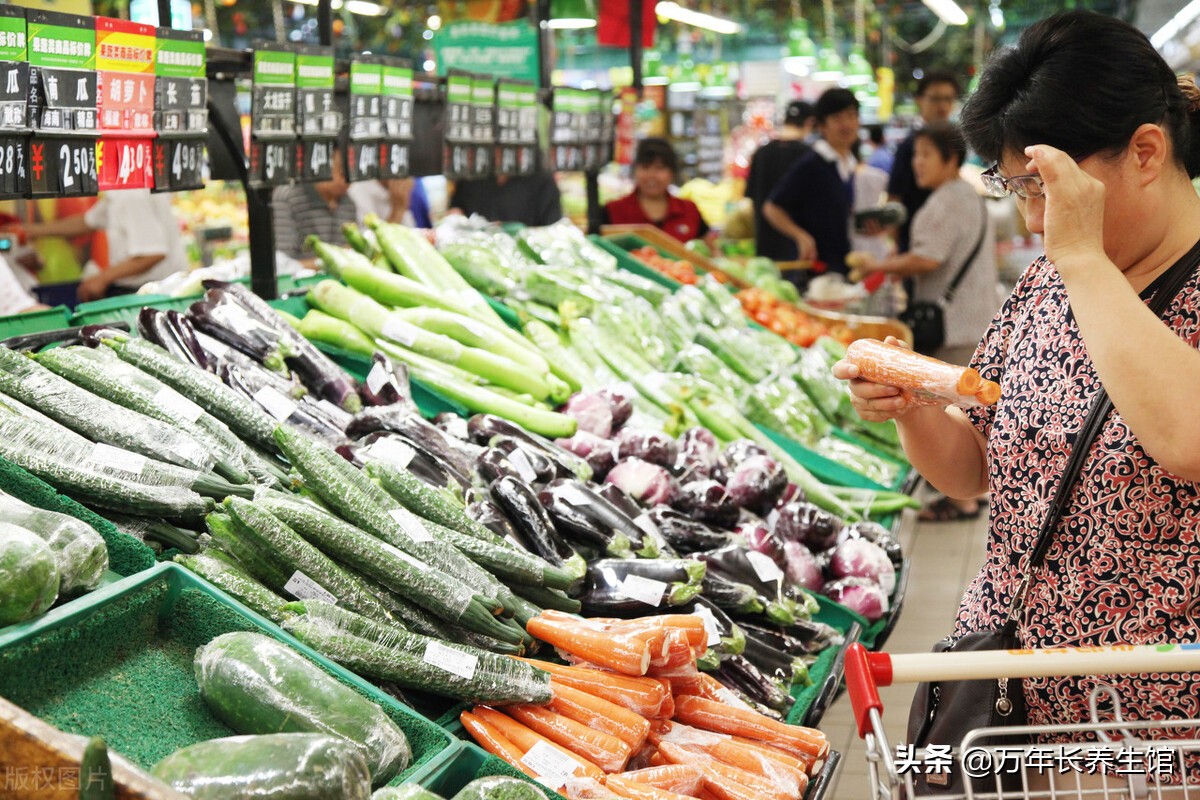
[(679, 658), (923, 379), (719, 718), (787, 778), (679, 778), (634, 790), (644, 696), (604, 750), (526, 739), (725, 781), (490, 739), (808, 765), (690, 624), (598, 713), (625, 653)]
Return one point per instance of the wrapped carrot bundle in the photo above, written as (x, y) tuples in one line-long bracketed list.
[(526, 740), (725, 781), (921, 379), (489, 738), (679, 778), (600, 714), (626, 653), (644, 696), (602, 749), (789, 779), (720, 718), (633, 790)]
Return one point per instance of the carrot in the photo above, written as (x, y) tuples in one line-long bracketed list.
[(681, 778), (924, 376), (605, 751), (989, 393), (786, 772), (723, 780), (525, 739), (678, 653), (639, 791), (710, 688), (805, 765), (627, 654), (496, 743), (719, 718), (690, 624), (659, 760), (600, 714), (644, 696)]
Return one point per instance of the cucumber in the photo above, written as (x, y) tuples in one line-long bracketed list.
[(409, 791), (95, 772), (28, 575), (224, 573), (497, 787), (255, 684), (280, 766), (437, 505), (249, 553), (79, 551), (547, 598), (392, 654), (96, 418)]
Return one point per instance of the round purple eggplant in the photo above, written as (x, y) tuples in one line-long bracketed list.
[(652, 446), (707, 500), (807, 524), (648, 484), (621, 404), (698, 454), (757, 483), (592, 412)]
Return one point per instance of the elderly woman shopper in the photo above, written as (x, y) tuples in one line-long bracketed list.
[(1089, 128)]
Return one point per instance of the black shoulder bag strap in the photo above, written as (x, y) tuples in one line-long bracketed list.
[(1165, 288), (948, 295)]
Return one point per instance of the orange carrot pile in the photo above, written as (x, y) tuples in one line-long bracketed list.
[(923, 380), (645, 736)]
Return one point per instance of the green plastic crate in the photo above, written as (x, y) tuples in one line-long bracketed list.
[(119, 663), (826, 675), (469, 763), (620, 248), (126, 308), (49, 319)]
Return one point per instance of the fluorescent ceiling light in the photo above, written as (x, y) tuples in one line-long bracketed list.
[(947, 11), (361, 7), (1186, 16), (696, 19)]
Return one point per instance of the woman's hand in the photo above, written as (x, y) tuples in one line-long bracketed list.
[(874, 402), (1073, 220), (806, 246)]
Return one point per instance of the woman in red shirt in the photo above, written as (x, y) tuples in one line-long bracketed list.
[(655, 166)]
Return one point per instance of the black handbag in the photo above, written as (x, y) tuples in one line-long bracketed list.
[(944, 712), (927, 319)]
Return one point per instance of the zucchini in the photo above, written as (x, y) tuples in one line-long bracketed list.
[(28, 575), (388, 653), (224, 573), (255, 684), (497, 787), (79, 551), (280, 766), (95, 772)]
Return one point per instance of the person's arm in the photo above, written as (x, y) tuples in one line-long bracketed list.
[(806, 245), (902, 264), (74, 225), (1151, 374), (98, 285)]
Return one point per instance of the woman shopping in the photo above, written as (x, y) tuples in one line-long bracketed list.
[(1089, 128), (655, 168)]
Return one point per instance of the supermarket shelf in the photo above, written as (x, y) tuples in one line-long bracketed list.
[(832, 684)]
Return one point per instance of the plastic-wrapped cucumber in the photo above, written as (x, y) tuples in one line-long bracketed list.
[(409, 791), (28, 575), (224, 573), (256, 685), (499, 788), (281, 766), (79, 551)]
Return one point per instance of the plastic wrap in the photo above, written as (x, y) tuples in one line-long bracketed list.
[(922, 380), (281, 766), (256, 684), (390, 653), (28, 575), (409, 791), (79, 551), (20, 409), (96, 418), (563, 243), (499, 788), (223, 573), (787, 779)]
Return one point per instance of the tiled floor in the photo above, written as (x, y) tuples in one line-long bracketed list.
[(945, 557)]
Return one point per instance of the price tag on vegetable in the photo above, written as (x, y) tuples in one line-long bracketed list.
[(212, 346), (644, 590), (456, 662), (115, 458), (392, 451), (276, 404), (411, 525), (648, 527), (764, 567), (520, 462), (302, 587), (177, 404), (710, 625), (552, 766), (401, 332), (575, 496), (376, 378)]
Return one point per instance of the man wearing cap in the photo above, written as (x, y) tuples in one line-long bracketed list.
[(770, 163)]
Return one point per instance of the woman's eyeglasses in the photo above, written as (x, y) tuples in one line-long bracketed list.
[(1023, 186)]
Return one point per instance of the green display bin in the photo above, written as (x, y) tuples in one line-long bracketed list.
[(469, 763), (126, 307), (620, 248), (826, 675), (50, 319), (118, 663)]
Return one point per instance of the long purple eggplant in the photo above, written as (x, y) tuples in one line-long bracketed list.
[(387, 384), (153, 325), (231, 324), (397, 418), (421, 462)]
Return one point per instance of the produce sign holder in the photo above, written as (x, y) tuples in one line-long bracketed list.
[(365, 118), (681, 106), (517, 145), (469, 763), (274, 144), (568, 129), (118, 662), (180, 110), (469, 126), (318, 122), (399, 107), (14, 103), (125, 87)]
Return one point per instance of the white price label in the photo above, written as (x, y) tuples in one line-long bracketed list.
[(710, 625), (764, 567), (277, 404), (178, 405), (456, 662), (575, 496), (648, 527), (411, 524), (392, 451), (404, 333), (552, 766), (302, 587), (115, 458), (376, 378), (520, 462), (212, 346), (403, 556), (241, 324), (644, 590)]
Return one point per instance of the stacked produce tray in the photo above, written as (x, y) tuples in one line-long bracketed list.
[(119, 663), (469, 763), (49, 319)]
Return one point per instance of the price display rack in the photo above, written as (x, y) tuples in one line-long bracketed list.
[(483, 125), (273, 139), (63, 104), (125, 57), (516, 128), (318, 120), (568, 131), (14, 104), (180, 110), (712, 127), (681, 128), (597, 108), (459, 128), (608, 128), (365, 118), (395, 153)]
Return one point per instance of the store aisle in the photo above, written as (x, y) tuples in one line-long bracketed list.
[(945, 558)]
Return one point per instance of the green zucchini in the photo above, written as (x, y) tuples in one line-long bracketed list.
[(95, 772), (280, 766), (79, 551), (224, 573), (498, 787), (28, 575), (255, 684), (410, 660)]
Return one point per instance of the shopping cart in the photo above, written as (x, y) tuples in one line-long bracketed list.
[(1108, 759)]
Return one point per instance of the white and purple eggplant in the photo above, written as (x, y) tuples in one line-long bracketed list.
[(654, 447), (600, 453), (708, 501), (861, 595), (648, 484), (757, 484), (807, 524)]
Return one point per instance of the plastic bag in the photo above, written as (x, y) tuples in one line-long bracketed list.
[(499, 788), (79, 551), (28, 575)]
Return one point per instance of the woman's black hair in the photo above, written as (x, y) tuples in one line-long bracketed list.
[(1080, 82), (947, 138), (834, 101), (656, 151)]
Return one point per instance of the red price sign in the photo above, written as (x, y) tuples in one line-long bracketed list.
[(125, 163)]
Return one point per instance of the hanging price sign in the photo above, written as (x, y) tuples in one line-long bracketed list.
[(458, 126), (567, 129), (516, 128), (14, 103), (180, 110), (125, 54), (483, 126), (62, 104), (365, 118), (274, 150), (318, 121), (396, 148)]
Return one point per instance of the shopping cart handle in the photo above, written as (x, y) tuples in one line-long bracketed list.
[(864, 673)]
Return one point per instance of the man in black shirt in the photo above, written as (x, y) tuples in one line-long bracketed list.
[(770, 163), (531, 200), (937, 92)]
